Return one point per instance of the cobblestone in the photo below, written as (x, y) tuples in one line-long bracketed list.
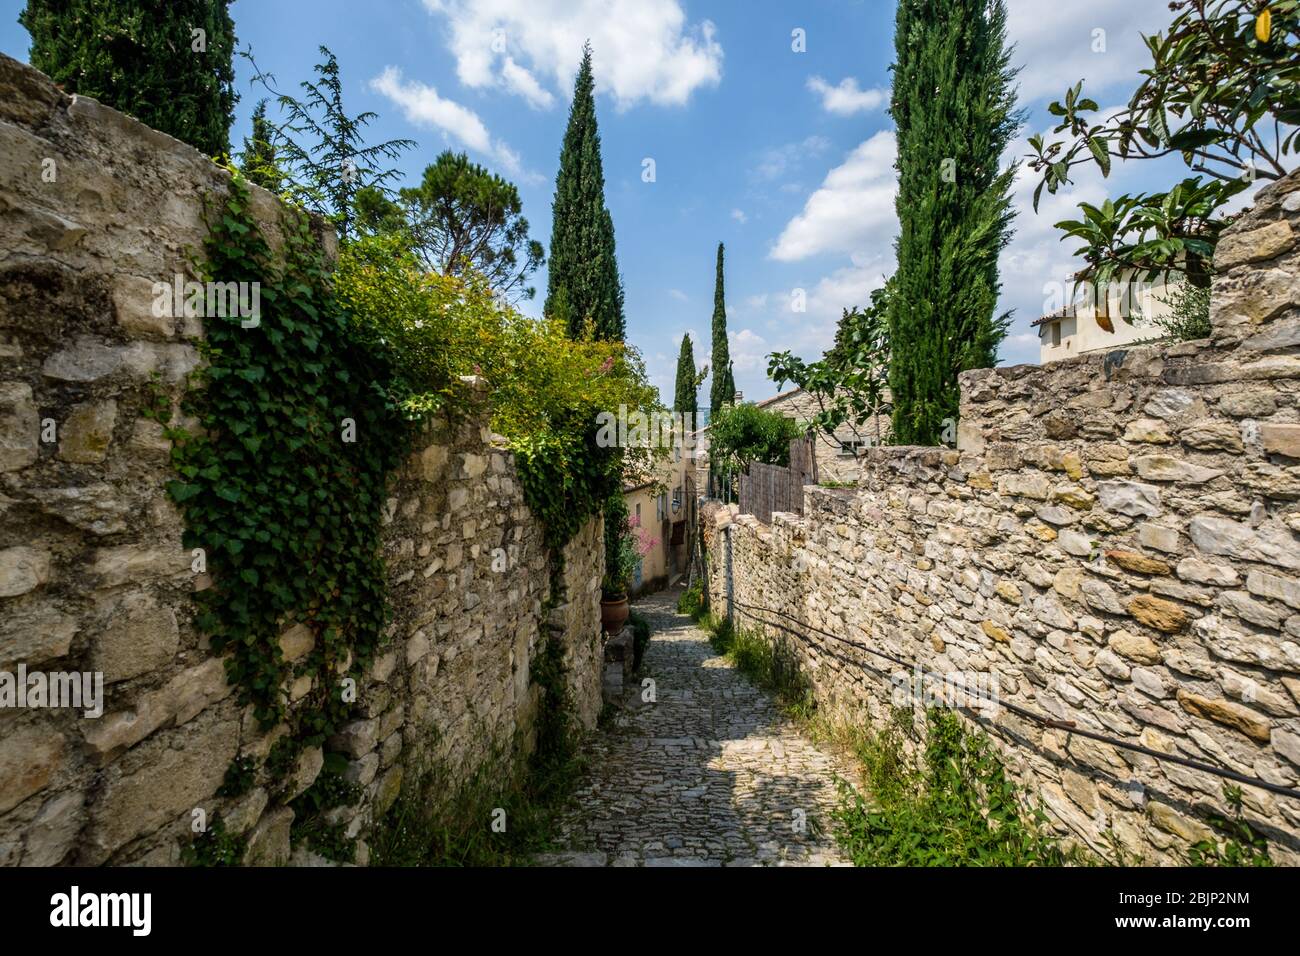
[(709, 774)]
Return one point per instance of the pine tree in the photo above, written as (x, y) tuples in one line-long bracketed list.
[(723, 388), (168, 64), (257, 161), (954, 108), (323, 149), (583, 274), (685, 393)]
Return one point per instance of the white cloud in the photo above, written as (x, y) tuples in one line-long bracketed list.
[(422, 105), (748, 350), (739, 216), (845, 99), (775, 162), (521, 82), (679, 295), (1056, 48), (852, 210), (643, 49)]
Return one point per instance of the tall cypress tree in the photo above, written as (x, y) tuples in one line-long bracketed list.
[(583, 281), (165, 62), (685, 392), (954, 107), (723, 386)]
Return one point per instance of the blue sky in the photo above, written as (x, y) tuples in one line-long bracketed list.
[(785, 156)]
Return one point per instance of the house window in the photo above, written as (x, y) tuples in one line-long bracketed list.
[(1056, 334), (850, 449), (661, 507)]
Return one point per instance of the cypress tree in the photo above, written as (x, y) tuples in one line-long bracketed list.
[(165, 62), (723, 387), (257, 161), (685, 394), (953, 105), (583, 279), (615, 326)]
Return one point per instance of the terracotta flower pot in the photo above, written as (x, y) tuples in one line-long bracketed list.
[(613, 613)]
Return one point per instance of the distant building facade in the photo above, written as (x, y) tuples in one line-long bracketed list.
[(1123, 316)]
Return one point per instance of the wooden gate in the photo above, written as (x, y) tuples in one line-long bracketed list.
[(768, 488)]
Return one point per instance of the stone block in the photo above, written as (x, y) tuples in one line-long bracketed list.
[(1252, 724), (297, 642), (1130, 498), (166, 778), (268, 844), (29, 759), (98, 507), (85, 436), (35, 634), (23, 569), (20, 426), (1238, 247), (1280, 439), (139, 636), (52, 835), (1224, 536)]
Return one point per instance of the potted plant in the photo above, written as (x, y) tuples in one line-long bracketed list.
[(620, 562)]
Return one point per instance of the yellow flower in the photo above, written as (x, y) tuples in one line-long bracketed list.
[(1263, 25)]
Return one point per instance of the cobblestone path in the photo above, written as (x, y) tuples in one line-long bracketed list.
[(709, 774)]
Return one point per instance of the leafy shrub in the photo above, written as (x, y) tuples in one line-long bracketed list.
[(692, 601), (620, 554), (285, 507), (1190, 315), (741, 434), (547, 389), (950, 804)]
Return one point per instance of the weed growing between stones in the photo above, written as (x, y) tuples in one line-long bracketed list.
[(215, 846), (1242, 844), (506, 812), (947, 803), (313, 823), (768, 662)]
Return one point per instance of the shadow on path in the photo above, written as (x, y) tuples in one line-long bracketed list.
[(711, 773)]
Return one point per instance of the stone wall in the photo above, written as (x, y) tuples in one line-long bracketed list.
[(94, 209), (1116, 539)]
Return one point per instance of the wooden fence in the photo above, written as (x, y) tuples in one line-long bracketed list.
[(768, 488)]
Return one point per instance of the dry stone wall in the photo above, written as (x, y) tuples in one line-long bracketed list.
[(1116, 540), (94, 209)]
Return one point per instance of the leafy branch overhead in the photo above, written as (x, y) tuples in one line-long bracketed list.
[(1221, 93), (850, 383)]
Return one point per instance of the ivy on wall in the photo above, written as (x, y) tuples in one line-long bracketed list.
[(283, 482), (293, 426)]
